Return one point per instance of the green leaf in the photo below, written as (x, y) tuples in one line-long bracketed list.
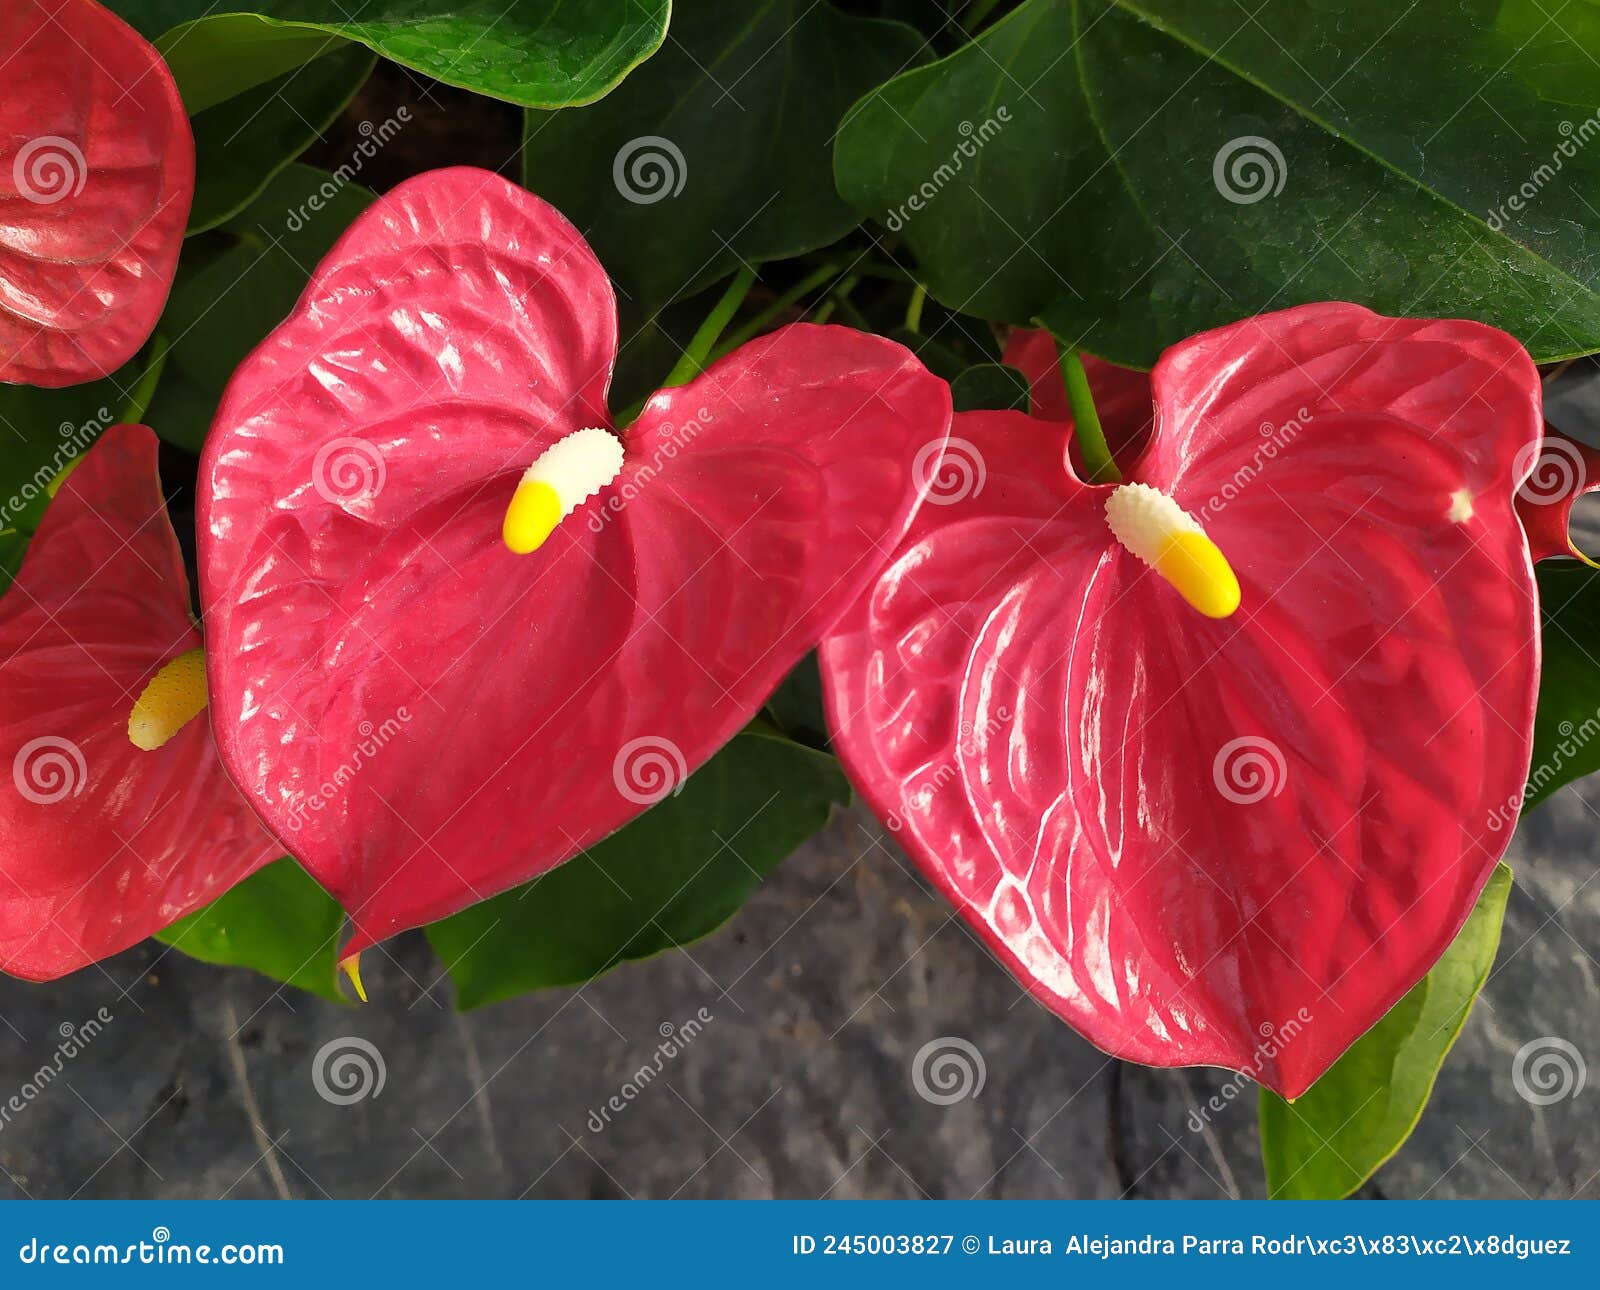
[(990, 385), (536, 53), (1566, 727), (1327, 1143), (1133, 173), (673, 875), (718, 148), (796, 706), (242, 144), (236, 284), (277, 922)]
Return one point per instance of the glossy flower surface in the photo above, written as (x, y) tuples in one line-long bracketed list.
[(1231, 841), (427, 718), (96, 180)]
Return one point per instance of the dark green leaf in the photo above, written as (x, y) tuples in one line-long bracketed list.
[(277, 922), (796, 705), (537, 53), (990, 385), (674, 875), (242, 144), (719, 147), (1566, 729), (236, 284), (1327, 1143), (1136, 172)]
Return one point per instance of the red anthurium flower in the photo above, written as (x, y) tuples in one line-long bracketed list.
[(1212, 759), (428, 717), (116, 814), (96, 178)]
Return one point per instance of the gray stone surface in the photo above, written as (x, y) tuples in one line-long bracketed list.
[(821, 993)]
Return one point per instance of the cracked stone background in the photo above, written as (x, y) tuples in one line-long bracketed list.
[(821, 992)]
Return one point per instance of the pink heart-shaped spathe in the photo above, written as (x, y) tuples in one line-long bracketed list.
[(427, 719), (1231, 842)]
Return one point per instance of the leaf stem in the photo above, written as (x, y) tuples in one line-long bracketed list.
[(762, 320), (839, 298), (919, 297), (1086, 421), (695, 358)]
